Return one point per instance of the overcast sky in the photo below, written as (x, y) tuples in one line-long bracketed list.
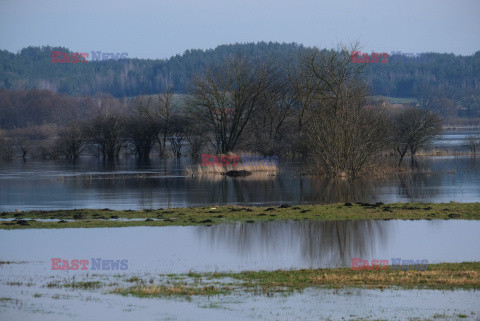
[(160, 29)]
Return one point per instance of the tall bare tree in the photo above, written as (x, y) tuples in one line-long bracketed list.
[(413, 128), (268, 127), (345, 136), (71, 141), (225, 98), (163, 110), (473, 143), (141, 128)]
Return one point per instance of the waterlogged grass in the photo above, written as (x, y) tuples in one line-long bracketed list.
[(11, 262), (84, 285), (173, 290), (445, 276), (438, 276), (225, 214)]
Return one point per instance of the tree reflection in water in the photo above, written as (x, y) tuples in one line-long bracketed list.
[(315, 243)]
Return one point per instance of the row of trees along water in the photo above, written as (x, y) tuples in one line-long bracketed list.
[(318, 107)]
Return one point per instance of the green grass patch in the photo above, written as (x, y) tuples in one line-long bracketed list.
[(90, 218), (84, 285), (178, 289), (444, 276)]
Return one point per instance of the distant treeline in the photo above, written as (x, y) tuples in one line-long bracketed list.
[(402, 76)]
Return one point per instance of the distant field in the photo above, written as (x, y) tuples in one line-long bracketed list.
[(398, 100)]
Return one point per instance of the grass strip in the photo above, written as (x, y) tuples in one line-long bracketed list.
[(443, 276), (92, 218)]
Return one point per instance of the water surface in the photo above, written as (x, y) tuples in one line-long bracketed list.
[(242, 246)]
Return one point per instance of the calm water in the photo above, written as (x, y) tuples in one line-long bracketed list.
[(233, 247), (236, 247), (91, 184)]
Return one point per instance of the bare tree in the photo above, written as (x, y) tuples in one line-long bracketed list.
[(107, 132), (177, 134), (424, 95), (196, 135), (268, 127), (414, 128), (142, 128), (71, 141), (6, 147), (473, 143), (22, 138), (470, 103), (163, 110), (344, 135), (225, 98)]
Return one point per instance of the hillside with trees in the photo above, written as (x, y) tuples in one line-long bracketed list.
[(402, 76)]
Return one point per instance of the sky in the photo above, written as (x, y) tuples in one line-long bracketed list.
[(160, 29)]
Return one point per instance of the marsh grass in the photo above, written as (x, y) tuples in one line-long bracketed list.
[(252, 167), (442, 152), (438, 276), (444, 276), (227, 214), (172, 290), (84, 285)]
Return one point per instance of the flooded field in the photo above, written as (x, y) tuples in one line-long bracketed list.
[(313, 304), (151, 251), (91, 184), (126, 184), (236, 247), (31, 290)]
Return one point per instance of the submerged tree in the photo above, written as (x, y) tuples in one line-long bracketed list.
[(71, 141), (225, 98), (163, 110), (106, 132), (344, 135), (141, 128), (413, 128), (473, 143)]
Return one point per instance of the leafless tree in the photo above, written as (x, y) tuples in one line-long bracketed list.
[(141, 128), (163, 109), (225, 98), (177, 135), (71, 141), (196, 136), (22, 138), (473, 143), (470, 103), (413, 128), (107, 132), (6, 147), (345, 136), (268, 127)]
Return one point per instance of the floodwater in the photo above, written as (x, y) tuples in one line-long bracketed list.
[(247, 246), (126, 184), (42, 304), (151, 251), (90, 183)]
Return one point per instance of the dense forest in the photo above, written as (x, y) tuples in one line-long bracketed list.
[(402, 76)]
